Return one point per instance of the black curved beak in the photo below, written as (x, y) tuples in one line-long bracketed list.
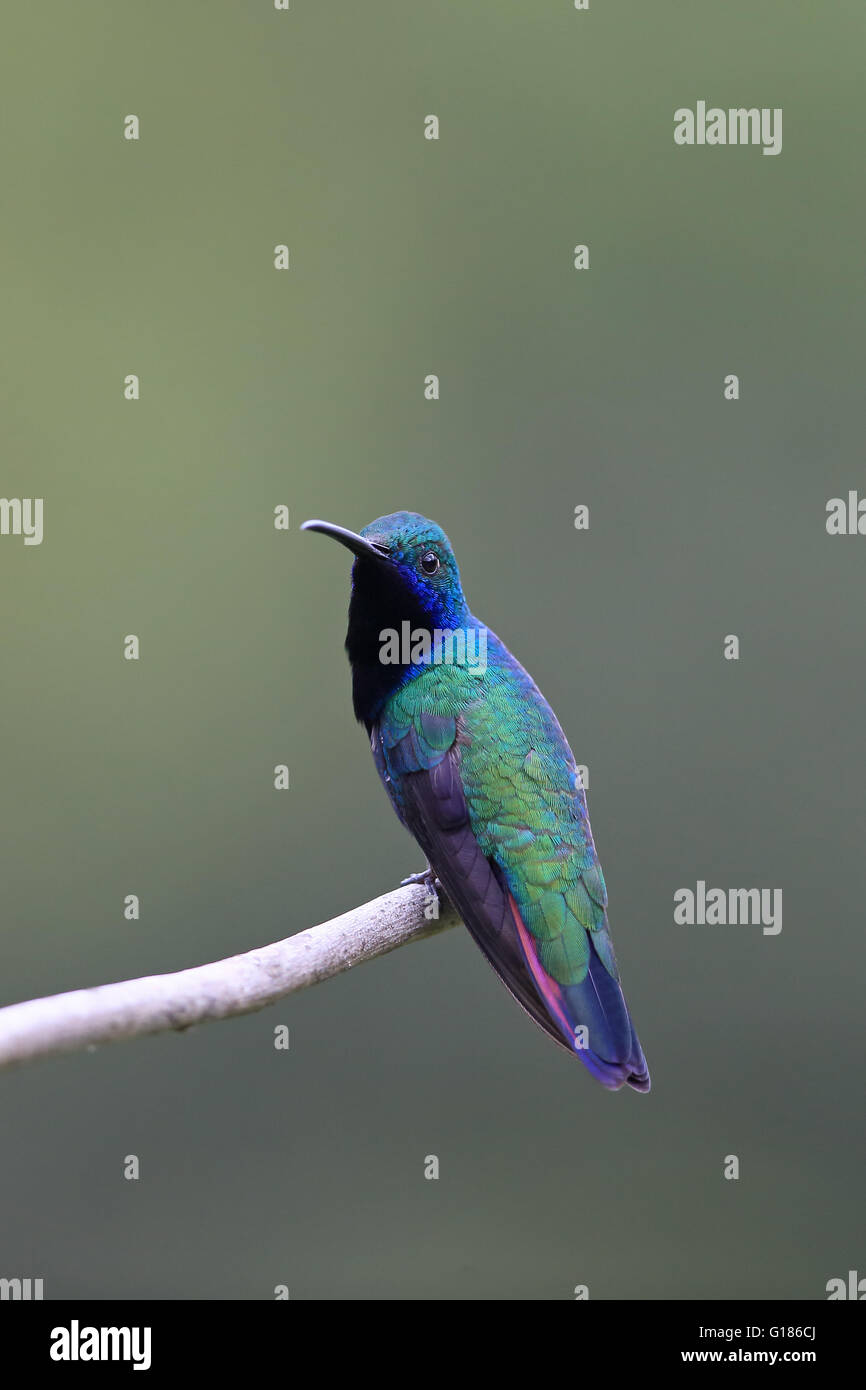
[(358, 545)]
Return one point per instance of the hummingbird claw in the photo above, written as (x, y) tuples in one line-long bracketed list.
[(426, 876)]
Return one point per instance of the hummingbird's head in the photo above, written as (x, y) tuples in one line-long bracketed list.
[(421, 556), (404, 572), (404, 560)]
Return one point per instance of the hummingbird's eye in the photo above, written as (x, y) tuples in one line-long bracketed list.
[(429, 562)]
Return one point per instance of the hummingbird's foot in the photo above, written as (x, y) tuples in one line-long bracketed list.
[(426, 876)]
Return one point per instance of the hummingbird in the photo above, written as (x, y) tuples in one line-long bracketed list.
[(479, 771)]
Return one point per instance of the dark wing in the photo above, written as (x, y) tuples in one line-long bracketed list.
[(431, 803)]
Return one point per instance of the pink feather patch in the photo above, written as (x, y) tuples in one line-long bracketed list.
[(549, 990)]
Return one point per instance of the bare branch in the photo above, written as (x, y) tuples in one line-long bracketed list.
[(223, 989)]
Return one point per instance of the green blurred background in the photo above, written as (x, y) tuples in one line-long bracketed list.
[(306, 388)]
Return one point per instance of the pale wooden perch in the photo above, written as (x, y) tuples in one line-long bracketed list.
[(223, 989)]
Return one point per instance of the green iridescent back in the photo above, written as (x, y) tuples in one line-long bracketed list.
[(526, 806)]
